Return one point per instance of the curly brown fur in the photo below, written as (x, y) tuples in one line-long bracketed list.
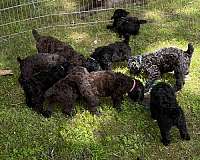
[(125, 25), (93, 85), (154, 65), (51, 45), (48, 44), (114, 52), (165, 109)]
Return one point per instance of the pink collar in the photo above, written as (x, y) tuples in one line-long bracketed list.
[(133, 86)]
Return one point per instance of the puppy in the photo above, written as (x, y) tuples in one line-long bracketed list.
[(91, 86), (165, 109), (162, 61), (37, 62), (92, 65), (48, 44), (38, 73), (51, 45), (35, 87), (125, 25), (115, 52)]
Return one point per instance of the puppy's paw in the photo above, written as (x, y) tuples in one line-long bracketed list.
[(97, 113), (47, 114), (69, 114), (165, 142), (185, 137)]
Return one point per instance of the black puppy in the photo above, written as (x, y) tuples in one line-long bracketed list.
[(165, 109), (92, 65), (115, 52), (38, 73), (36, 86), (125, 25), (37, 62)]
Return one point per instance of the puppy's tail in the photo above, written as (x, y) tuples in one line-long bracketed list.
[(36, 35), (190, 49)]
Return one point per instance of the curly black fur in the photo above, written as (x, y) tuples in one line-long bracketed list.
[(92, 65), (36, 86), (115, 52), (91, 86), (165, 109), (38, 73), (125, 25), (37, 62), (162, 61)]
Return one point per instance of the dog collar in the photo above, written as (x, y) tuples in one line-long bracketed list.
[(134, 83)]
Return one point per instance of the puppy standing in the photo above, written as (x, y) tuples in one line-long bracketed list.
[(91, 86), (165, 109), (155, 64), (38, 73), (114, 52), (125, 25), (51, 45)]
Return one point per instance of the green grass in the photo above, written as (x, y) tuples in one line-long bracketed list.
[(121, 136)]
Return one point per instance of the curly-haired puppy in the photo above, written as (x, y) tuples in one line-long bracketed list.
[(92, 65), (35, 87), (125, 25), (165, 109), (48, 44), (43, 69), (115, 52), (93, 85), (37, 62), (162, 61)]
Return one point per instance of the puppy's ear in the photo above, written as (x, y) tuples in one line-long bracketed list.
[(124, 13), (142, 21)]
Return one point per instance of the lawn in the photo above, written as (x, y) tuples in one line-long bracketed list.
[(113, 136)]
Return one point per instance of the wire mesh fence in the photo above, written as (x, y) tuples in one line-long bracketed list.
[(63, 18), (20, 16)]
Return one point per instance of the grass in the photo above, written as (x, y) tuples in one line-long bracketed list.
[(126, 135)]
